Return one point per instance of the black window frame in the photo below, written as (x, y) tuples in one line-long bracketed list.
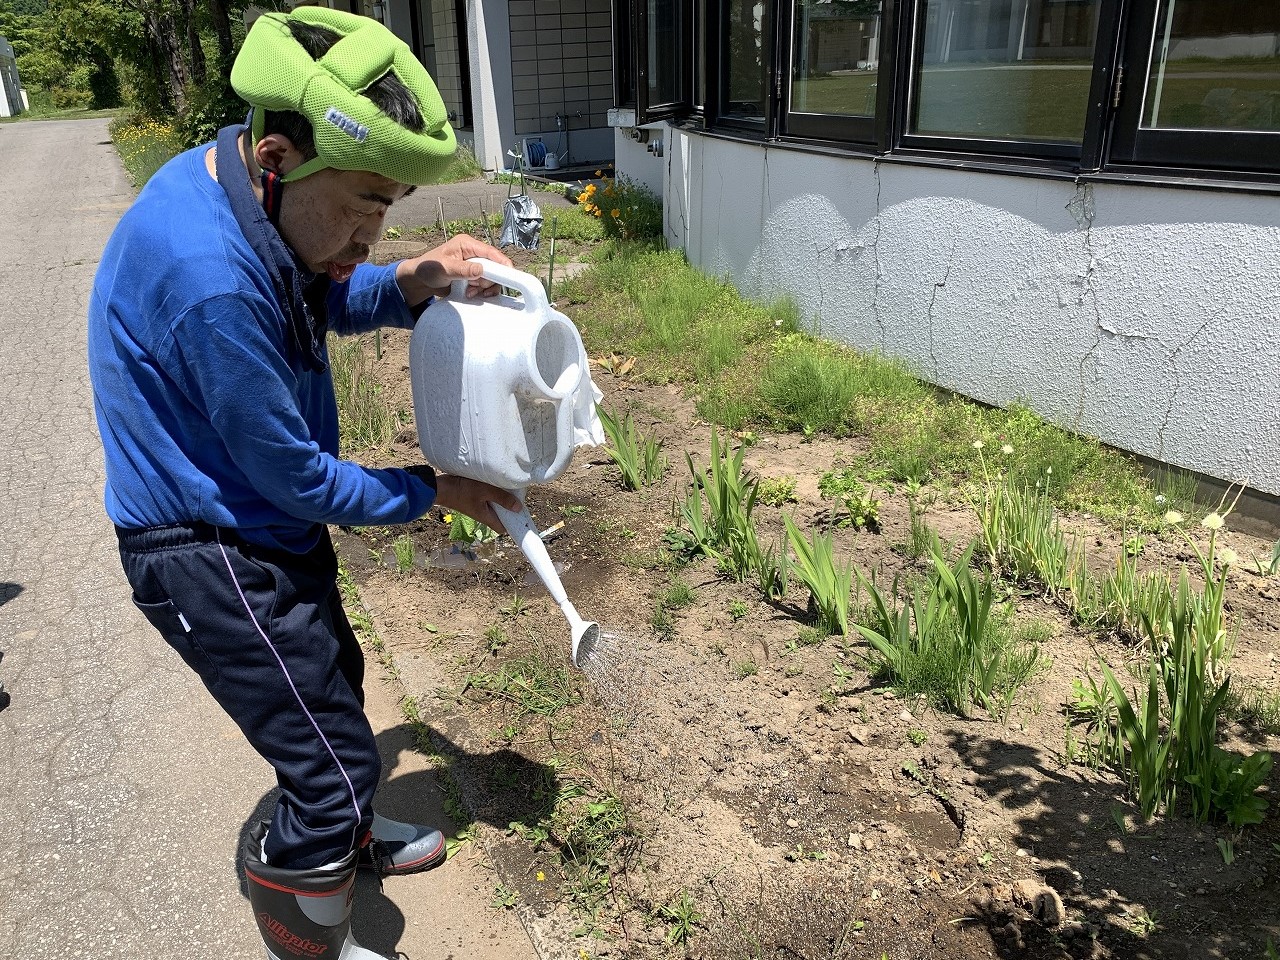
[(1032, 152), (834, 128), (1199, 152), (1112, 144)]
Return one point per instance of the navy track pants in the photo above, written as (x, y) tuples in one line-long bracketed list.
[(266, 633)]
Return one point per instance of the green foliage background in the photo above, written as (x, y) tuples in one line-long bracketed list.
[(163, 59)]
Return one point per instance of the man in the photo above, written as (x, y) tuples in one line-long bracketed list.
[(216, 408)]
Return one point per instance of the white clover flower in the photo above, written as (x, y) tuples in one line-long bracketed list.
[(978, 444), (1159, 498), (1006, 449), (1213, 521), (1228, 557), (1173, 518)]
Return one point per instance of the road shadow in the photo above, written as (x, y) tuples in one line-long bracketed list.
[(9, 591), (501, 788)]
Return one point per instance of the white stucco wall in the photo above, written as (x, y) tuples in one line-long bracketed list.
[(1145, 316), (635, 160)]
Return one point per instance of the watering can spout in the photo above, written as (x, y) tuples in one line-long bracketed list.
[(584, 633)]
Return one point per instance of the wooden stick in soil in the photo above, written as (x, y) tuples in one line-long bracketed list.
[(440, 214), (484, 219), (551, 267)]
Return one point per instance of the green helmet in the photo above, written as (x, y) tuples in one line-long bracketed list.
[(275, 72)]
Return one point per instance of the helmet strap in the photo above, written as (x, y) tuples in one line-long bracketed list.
[(272, 194)]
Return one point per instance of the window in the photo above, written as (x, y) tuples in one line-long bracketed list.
[(1071, 85), (1205, 87), (1004, 71), (834, 69), (653, 60), (746, 56)]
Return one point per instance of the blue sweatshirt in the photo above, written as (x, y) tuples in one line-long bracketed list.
[(206, 409)]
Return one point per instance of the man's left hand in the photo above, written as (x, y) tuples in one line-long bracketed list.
[(432, 273)]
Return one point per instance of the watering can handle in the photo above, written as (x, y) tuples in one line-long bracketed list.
[(535, 297)]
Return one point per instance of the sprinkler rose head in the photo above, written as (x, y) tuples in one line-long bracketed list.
[(585, 637)]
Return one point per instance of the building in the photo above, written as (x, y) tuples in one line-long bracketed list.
[(1069, 203), (12, 101), (530, 74)]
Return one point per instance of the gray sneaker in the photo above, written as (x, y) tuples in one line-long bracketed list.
[(399, 848)]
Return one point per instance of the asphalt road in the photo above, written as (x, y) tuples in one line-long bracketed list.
[(123, 789)]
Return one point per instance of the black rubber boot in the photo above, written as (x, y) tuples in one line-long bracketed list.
[(302, 913)]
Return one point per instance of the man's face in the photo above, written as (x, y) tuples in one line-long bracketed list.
[(332, 218)]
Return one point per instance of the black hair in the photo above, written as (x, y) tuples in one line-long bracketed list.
[(388, 94)]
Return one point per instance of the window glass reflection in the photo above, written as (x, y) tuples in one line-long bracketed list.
[(745, 59), (666, 52), (1215, 65), (835, 53), (1006, 69)]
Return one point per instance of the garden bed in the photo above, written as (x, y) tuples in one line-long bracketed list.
[(735, 785)]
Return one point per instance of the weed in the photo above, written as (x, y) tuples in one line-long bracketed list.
[(1020, 532), (1170, 731), (1254, 707), (504, 898), (829, 585), (496, 637), (717, 512), (529, 683), (921, 538), (678, 594), (517, 607), (1271, 567), (745, 668), (944, 642), (681, 916), (639, 458), (465, 530), (1227, 849), (662, 622), (861, 506), (737, 610), (1144, 924), (365, 422), (776, 492), (1093, 705), (402, 549), (798, 852), (917, 737)]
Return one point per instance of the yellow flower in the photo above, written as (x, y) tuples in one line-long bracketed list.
[(599, 173), (1173, 518), (1213, 521), (615, 213), (448, 518), (541, 875)]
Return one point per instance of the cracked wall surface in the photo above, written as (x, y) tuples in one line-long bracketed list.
[(1142, 315)]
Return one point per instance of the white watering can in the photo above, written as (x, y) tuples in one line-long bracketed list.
[(502, 393)]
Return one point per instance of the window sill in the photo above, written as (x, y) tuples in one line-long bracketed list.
[(1205, 180)]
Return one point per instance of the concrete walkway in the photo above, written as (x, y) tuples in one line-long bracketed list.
[(123, 788)]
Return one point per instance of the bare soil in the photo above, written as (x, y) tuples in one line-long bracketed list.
[(808, 816)]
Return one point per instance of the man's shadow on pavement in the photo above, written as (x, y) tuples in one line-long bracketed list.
[(502, 787)]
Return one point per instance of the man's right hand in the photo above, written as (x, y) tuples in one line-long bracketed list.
[(473, 497)]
